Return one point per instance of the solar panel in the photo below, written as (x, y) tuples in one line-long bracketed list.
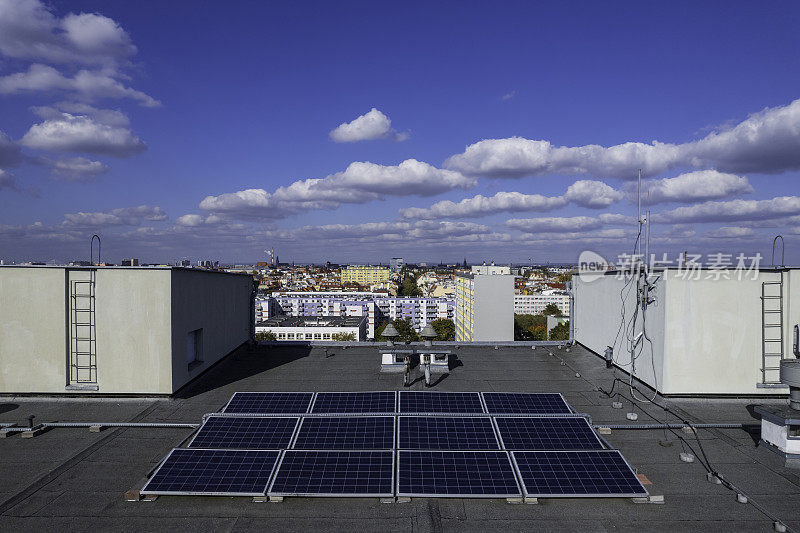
[(346, 433), (334, 473), (269, 403), (577, 474), (446, 433), (440, 402), (354, 402), (213, 473), (547, 433), (525, 403), (455, 474), (239, 432)]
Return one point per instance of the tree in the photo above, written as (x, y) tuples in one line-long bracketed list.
[(552, 309), (343, 336), (445, 329), (526, 327), (563, 278), (403, 327), (266, 336), (408, 286), (560, 332)]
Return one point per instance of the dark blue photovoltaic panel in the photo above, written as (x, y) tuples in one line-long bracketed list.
[(440, 402), (467, 474), (214, 472), (323, 473), (447, 433), (269, 403), (547, 433), (546, 403), (583, 473), (354, 402), (244, 432), (346, 433)]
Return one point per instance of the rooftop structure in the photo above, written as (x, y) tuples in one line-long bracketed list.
[(708, 331), (75, 476), (117, 330)]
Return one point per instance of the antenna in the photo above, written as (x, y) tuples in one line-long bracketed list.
[(639, 211), (271, 254)]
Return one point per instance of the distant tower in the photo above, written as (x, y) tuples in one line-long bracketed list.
[(277, 261), (465, 262)]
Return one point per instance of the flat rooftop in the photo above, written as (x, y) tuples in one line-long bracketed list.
[(73, 478), (311, 322)]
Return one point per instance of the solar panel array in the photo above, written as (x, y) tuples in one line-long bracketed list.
[(411, 443)]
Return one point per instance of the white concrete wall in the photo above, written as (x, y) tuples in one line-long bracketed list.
[(218, 303), (33, 342), (706, 332), (598, 314), (493, 308)]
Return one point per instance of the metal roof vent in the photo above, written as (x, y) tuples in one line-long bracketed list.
[(390, 332), (428, 333)]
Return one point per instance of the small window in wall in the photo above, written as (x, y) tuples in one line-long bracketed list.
[(194, 347), (794, 432)]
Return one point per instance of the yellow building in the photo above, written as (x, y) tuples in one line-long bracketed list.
[(365, 275)]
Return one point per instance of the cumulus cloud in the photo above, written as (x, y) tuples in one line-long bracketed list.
[(691, 187), (765, 142), (80, 133), (733, 211), (568, 224), (10, 154), (731, 232), (585, 193), (367, 127), (124, 216), (361, 182), (387, 231), (78, 168), (29, 30), (86, 85)]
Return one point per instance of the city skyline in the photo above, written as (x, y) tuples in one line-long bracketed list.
[(359, 133)]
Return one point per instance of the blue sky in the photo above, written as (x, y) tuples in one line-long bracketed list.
[(122, 119)]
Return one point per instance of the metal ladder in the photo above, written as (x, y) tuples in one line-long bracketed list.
[(83, 333), (772, 326)]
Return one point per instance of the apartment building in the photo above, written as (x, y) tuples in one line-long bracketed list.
[(365, 275), (289, 328), (534, 304), (377, 307), (482, 312)]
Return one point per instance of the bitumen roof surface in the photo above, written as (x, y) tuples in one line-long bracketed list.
[(75, 479)]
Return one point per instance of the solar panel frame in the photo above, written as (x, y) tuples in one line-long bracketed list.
[(347, 416), (497, 424), (486, 396), (412, 494), (317, 396), (276, 472), (229, 446), (439, 417), (227, 408), (423, 394), (629, 469), (198, 451)]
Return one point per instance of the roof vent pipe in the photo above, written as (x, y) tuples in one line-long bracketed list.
[(390, 332)]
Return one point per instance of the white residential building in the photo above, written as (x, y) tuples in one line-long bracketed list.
[(305, 328), (534, 304)]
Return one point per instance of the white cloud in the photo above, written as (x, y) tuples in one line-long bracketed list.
[(370, 126), (361, 182), (732, 211), (569, 224), (509, 96), (691, 187), (86, 84), (71, 133), (731, 232), (585, 193), (124, 216), (421, 231), (29, 30), (78, 168), (593, 194), (765, 142)]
